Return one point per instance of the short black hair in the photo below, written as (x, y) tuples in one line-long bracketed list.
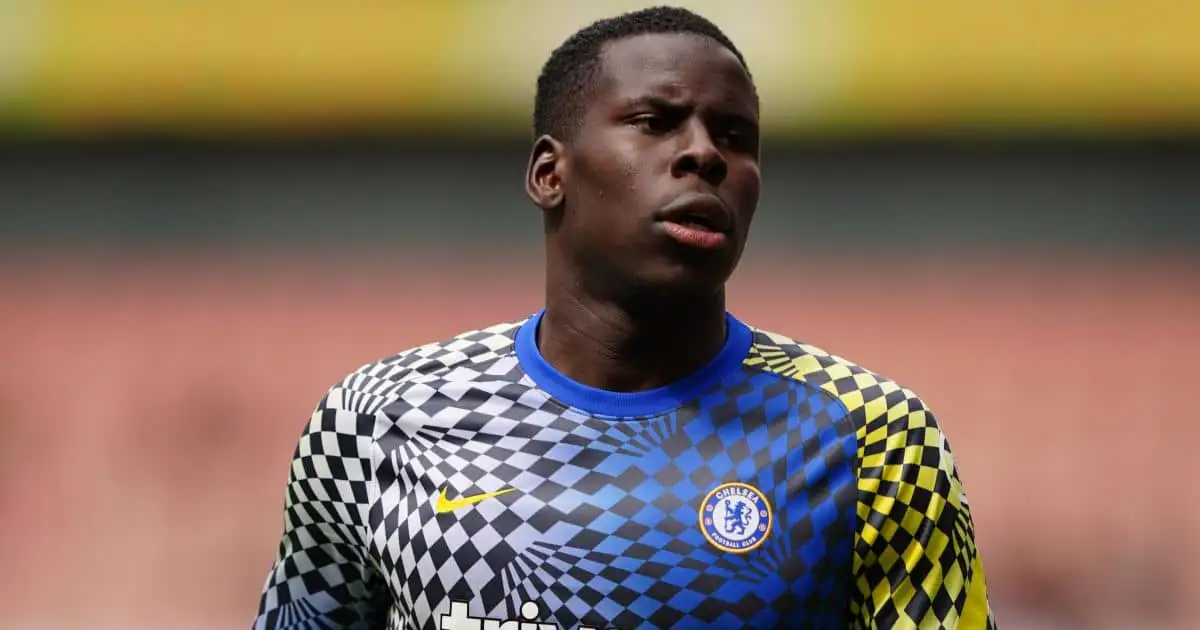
[(568, 74)]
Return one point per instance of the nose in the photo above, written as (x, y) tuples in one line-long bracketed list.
[(700, 156)]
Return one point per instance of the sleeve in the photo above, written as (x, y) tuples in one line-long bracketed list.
[(322, 575), (915, 560)]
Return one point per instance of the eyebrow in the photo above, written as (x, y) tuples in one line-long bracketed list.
[(666, 104), (657, 102)]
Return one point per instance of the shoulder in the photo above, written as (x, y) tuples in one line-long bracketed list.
[(345, 422), (869, 397), (892, 424), (375, 385)]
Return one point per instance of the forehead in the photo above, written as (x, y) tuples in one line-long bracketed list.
[(676, 66)]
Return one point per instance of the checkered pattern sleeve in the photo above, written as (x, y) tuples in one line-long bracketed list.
[(322, 576), (915, 559)]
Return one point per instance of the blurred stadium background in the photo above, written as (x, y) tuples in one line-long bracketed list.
[(213, 210)]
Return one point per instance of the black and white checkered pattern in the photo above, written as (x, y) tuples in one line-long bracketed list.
[(597, 527), (324, 576)]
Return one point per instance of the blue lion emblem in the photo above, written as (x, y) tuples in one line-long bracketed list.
[(736, 517)]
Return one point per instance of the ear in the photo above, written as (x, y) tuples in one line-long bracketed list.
[(544, 176)]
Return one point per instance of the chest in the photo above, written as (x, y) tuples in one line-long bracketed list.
[(693, 519)]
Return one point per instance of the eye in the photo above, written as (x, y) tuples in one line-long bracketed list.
[(737, 139), (652, 124)]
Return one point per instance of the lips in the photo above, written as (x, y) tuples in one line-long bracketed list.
[(697, 220), (698, 211)]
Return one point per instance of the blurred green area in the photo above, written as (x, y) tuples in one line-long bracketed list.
[(268, 124), (832, 69)]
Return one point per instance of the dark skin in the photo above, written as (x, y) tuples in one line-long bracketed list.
[(628, 307)]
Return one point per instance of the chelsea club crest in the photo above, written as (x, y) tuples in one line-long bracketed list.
[(735, 517)]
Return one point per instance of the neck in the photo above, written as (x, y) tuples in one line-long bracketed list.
[(610, 346)]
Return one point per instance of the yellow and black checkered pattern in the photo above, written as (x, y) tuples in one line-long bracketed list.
[(915, 560)]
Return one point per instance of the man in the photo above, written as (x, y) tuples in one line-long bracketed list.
[(632, 456)]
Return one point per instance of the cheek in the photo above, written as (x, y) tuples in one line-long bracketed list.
[(617, 172), (616, 181), (605, 174), (630, 168), (748, 188)]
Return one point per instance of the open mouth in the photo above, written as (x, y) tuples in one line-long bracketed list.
[(699, 212), (695, 221)]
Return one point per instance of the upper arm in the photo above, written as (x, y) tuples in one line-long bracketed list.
[(322, 576), (915, 560)]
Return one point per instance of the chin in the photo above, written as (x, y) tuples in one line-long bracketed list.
[(682, 282)]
